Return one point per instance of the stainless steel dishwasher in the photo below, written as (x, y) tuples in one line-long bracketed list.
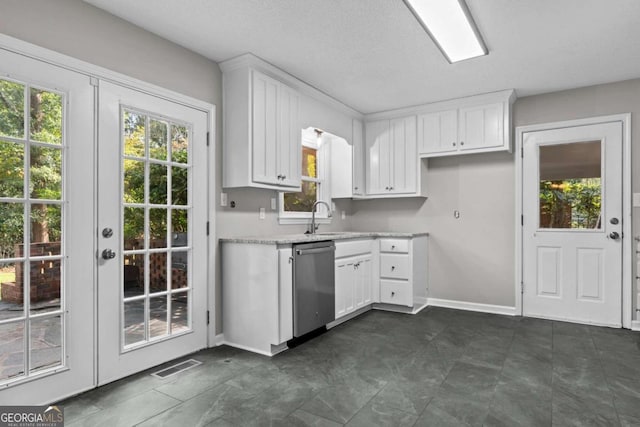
[(313, 286)]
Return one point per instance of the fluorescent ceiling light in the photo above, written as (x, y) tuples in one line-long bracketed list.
[(451, 27)]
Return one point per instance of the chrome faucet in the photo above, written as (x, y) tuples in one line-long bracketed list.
[(313, 227)]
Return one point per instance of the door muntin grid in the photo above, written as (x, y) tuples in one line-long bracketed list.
[(33, 122), (156, 233)]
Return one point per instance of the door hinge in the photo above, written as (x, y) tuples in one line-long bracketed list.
[(208, 138), (207, 317), (522, 287), (522, 151), (522, 220), (207, 228)]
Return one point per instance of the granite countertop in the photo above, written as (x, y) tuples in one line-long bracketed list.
[(283, 239)]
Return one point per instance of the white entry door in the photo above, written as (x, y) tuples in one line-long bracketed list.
[(152, 225), (46, 232), (572, 224)]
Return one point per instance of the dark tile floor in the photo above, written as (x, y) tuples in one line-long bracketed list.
[(438, 368)]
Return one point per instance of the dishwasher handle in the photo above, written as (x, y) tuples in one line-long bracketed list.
[(315, 250)]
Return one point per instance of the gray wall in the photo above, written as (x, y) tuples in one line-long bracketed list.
[(472, 258)]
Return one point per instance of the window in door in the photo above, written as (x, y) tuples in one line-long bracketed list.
[(32, 244), (156, 291), (570, 185)]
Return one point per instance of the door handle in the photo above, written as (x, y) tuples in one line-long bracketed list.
[(614, 235), (108, 254)]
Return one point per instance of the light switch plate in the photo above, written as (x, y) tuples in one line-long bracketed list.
[(223, 199), (273, 203), (636, 200), (344, 215), (262, 213)]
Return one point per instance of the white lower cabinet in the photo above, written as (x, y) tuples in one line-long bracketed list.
[(355, 284), (403, 272)]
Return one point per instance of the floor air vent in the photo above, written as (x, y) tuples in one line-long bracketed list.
[(176, 369)]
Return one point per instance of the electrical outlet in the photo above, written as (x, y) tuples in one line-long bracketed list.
[(223, 199), (636, 200), (262, 213), (344, 215), (273, 203)]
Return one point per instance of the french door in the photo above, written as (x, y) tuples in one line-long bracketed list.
[(103, 244), (46, 231), (152, 238), (572, 230)]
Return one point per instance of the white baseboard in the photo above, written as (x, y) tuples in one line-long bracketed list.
[(635, 325), (349, 316), (472, 306), (420, 304), (218, 340)]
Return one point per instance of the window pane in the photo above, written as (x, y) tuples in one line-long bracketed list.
[(46, 229), (11, 286), (12, 350), (133, 230), (133, 181), (157, 139), (179, 186), (11, 230), (133, 270), (12, 170), (179, 228), (134, 134), (309, 162), (179, 144), (570, 186), (302, 201), (157, 228), (158, 272), (46, 343), (179, 312), (11, 109), (179, 270), (134, 322), (158, 316), (46, 116), (45, 279), (157, 184), (46, 173)]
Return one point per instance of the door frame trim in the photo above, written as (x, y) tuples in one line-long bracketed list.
[(627, 220)]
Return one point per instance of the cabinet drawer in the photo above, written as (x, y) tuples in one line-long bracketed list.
[(396, 293), (394, 245), (394, 266), (353, 247)]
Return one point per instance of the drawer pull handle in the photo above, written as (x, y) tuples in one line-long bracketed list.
[(393, 294), (393, 267), (393, 247)]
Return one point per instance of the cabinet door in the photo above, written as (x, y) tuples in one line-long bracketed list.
[(404, 156), (358, 158), (482, 127), (289, 138), (344, 286), (264, 132), (378, 157), (364, 285), (438, 132)]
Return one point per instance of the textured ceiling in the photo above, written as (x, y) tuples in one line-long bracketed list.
[(373, 55)]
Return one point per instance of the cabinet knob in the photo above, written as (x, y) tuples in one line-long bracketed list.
[(284, 176), (390, 188), (279, 176), (454, 144), (393, 294), (355, 188), (393, 267), (393, 247), (386, 188), (461, 142)]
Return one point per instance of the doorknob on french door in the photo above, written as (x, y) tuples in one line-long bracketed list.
[(614, 235), (108, 254), (614, 221)]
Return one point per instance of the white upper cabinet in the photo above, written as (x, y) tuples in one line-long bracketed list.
[(469, 125), (262, 132), (438, 132), (391, 157)]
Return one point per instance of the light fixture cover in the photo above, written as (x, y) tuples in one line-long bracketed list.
[(451, 27)]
